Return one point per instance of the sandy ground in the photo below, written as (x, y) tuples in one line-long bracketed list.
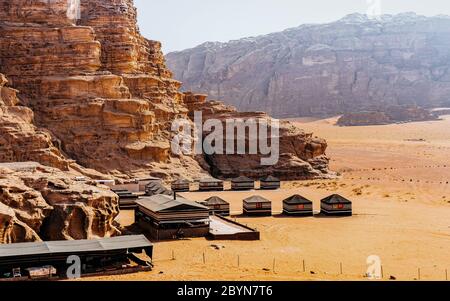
[(398, 179)]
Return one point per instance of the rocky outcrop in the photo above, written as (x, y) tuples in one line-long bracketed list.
[(390, 114), (95, 83), (301, 156), (20, 140), (319, 70), (44, 203)]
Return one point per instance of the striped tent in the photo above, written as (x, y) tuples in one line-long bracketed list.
[(211, 184), (257, 205), (270, 183), (181, 185), (217, 206), (297, 205), (242, 183), (156, 188), (336, 205)]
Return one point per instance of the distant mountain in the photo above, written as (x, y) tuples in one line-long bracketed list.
[(353, 64)]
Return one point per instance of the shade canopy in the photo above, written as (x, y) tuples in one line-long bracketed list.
[(74, 246)]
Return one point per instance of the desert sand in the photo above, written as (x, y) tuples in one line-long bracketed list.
[(398, 179)]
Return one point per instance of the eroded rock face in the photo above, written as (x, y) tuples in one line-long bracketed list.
[(319, 70), (302, 156), (95, 83), (20, 140), (45, 203)]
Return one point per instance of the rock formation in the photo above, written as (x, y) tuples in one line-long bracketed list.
[(44, 203), (350, 65), (20, 140), (103, 90), (390, 114), (88, 94), (301, 156), (95, 83)]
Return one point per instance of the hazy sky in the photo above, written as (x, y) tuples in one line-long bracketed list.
[(181, 24)]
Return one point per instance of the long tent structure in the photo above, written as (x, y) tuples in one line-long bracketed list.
[(169, 217), (257, 205), (336, 205), (211, 184), (217, 206), (297, 205), (242, 183), (270, 183), (93, 254)]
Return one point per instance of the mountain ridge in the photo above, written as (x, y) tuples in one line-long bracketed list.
[(330, 64)]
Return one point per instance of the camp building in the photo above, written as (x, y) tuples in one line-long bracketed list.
[(211, 184), (336, 205), (242, 183), (270, 183), (297, 205), (217, 206), (257, 205), (181, 185), (170, 217)]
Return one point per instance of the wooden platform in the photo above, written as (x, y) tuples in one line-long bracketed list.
[(221, 228)]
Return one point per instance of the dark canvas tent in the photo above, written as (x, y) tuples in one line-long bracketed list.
[(156, 188), (166, 217), (336, 205), (217, 206), (297, 205), (211, 184), (180, 185), (269, 183), (242, 183), (257, 205)]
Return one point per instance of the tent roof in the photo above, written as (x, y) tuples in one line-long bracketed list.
[(242, 179), (76, 246), (336, 199), (157, 188), (215, 200), (159, 203), (297, 199), (210, 180), (270, 179), (256, 199), (181, 181)]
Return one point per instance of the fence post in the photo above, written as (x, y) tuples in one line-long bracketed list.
[(304, 266), (418, 273), (173, 255), (273, 267), (239, 261), (204, 259), (382, 272), (340, 267)]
